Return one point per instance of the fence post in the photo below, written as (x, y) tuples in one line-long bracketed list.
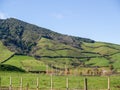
[(65, 72), (27, 86), (21, 83), (0, 83), (37, 83), (85, 84), (67, 84), (51, 82), (10, 88), (46, 69), (108, 83)]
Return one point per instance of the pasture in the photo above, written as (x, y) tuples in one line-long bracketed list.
[(47, 82)]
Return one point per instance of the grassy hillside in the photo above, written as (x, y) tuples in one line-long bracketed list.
[(26, 63), (30, 47), (109, 53), (7, 67), (5, 53), (55, 54), (47, 47), (116, 60), (102, 48), (102, 62)]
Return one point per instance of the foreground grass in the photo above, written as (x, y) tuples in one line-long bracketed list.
[(58, 81)]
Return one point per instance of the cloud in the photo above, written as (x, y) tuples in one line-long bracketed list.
[(58, 15), (2, 16)]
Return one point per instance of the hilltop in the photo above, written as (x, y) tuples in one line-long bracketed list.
[(20, 36), (29, 47)]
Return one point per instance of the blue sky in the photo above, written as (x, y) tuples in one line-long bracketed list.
[(95, 19)]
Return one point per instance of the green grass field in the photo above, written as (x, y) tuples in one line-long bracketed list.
[(94, 83)]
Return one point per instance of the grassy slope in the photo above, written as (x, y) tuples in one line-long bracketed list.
[(48, 47), (109, 53), (98, 62), (4, 52), (116, 60), (93, 54), (101, 48), (26, 63), (67, 54), (7, 67)]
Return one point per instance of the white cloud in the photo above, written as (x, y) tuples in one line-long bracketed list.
[(2, 16), (58, 15)]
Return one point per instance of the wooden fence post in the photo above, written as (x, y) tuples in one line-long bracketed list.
[(65, 72), (85, 84), (37, 83), (0, 83), (10, 88), (67, 84), (51, 82), (21, 83), (56, 71), (46, 69), (108, 83), (27, 87)]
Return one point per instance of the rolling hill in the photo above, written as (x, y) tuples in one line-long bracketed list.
[(29, 47)]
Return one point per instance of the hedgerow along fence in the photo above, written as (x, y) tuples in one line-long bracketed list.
[(51, 83)]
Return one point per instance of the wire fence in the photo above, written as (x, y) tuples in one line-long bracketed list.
[(53, 83)]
